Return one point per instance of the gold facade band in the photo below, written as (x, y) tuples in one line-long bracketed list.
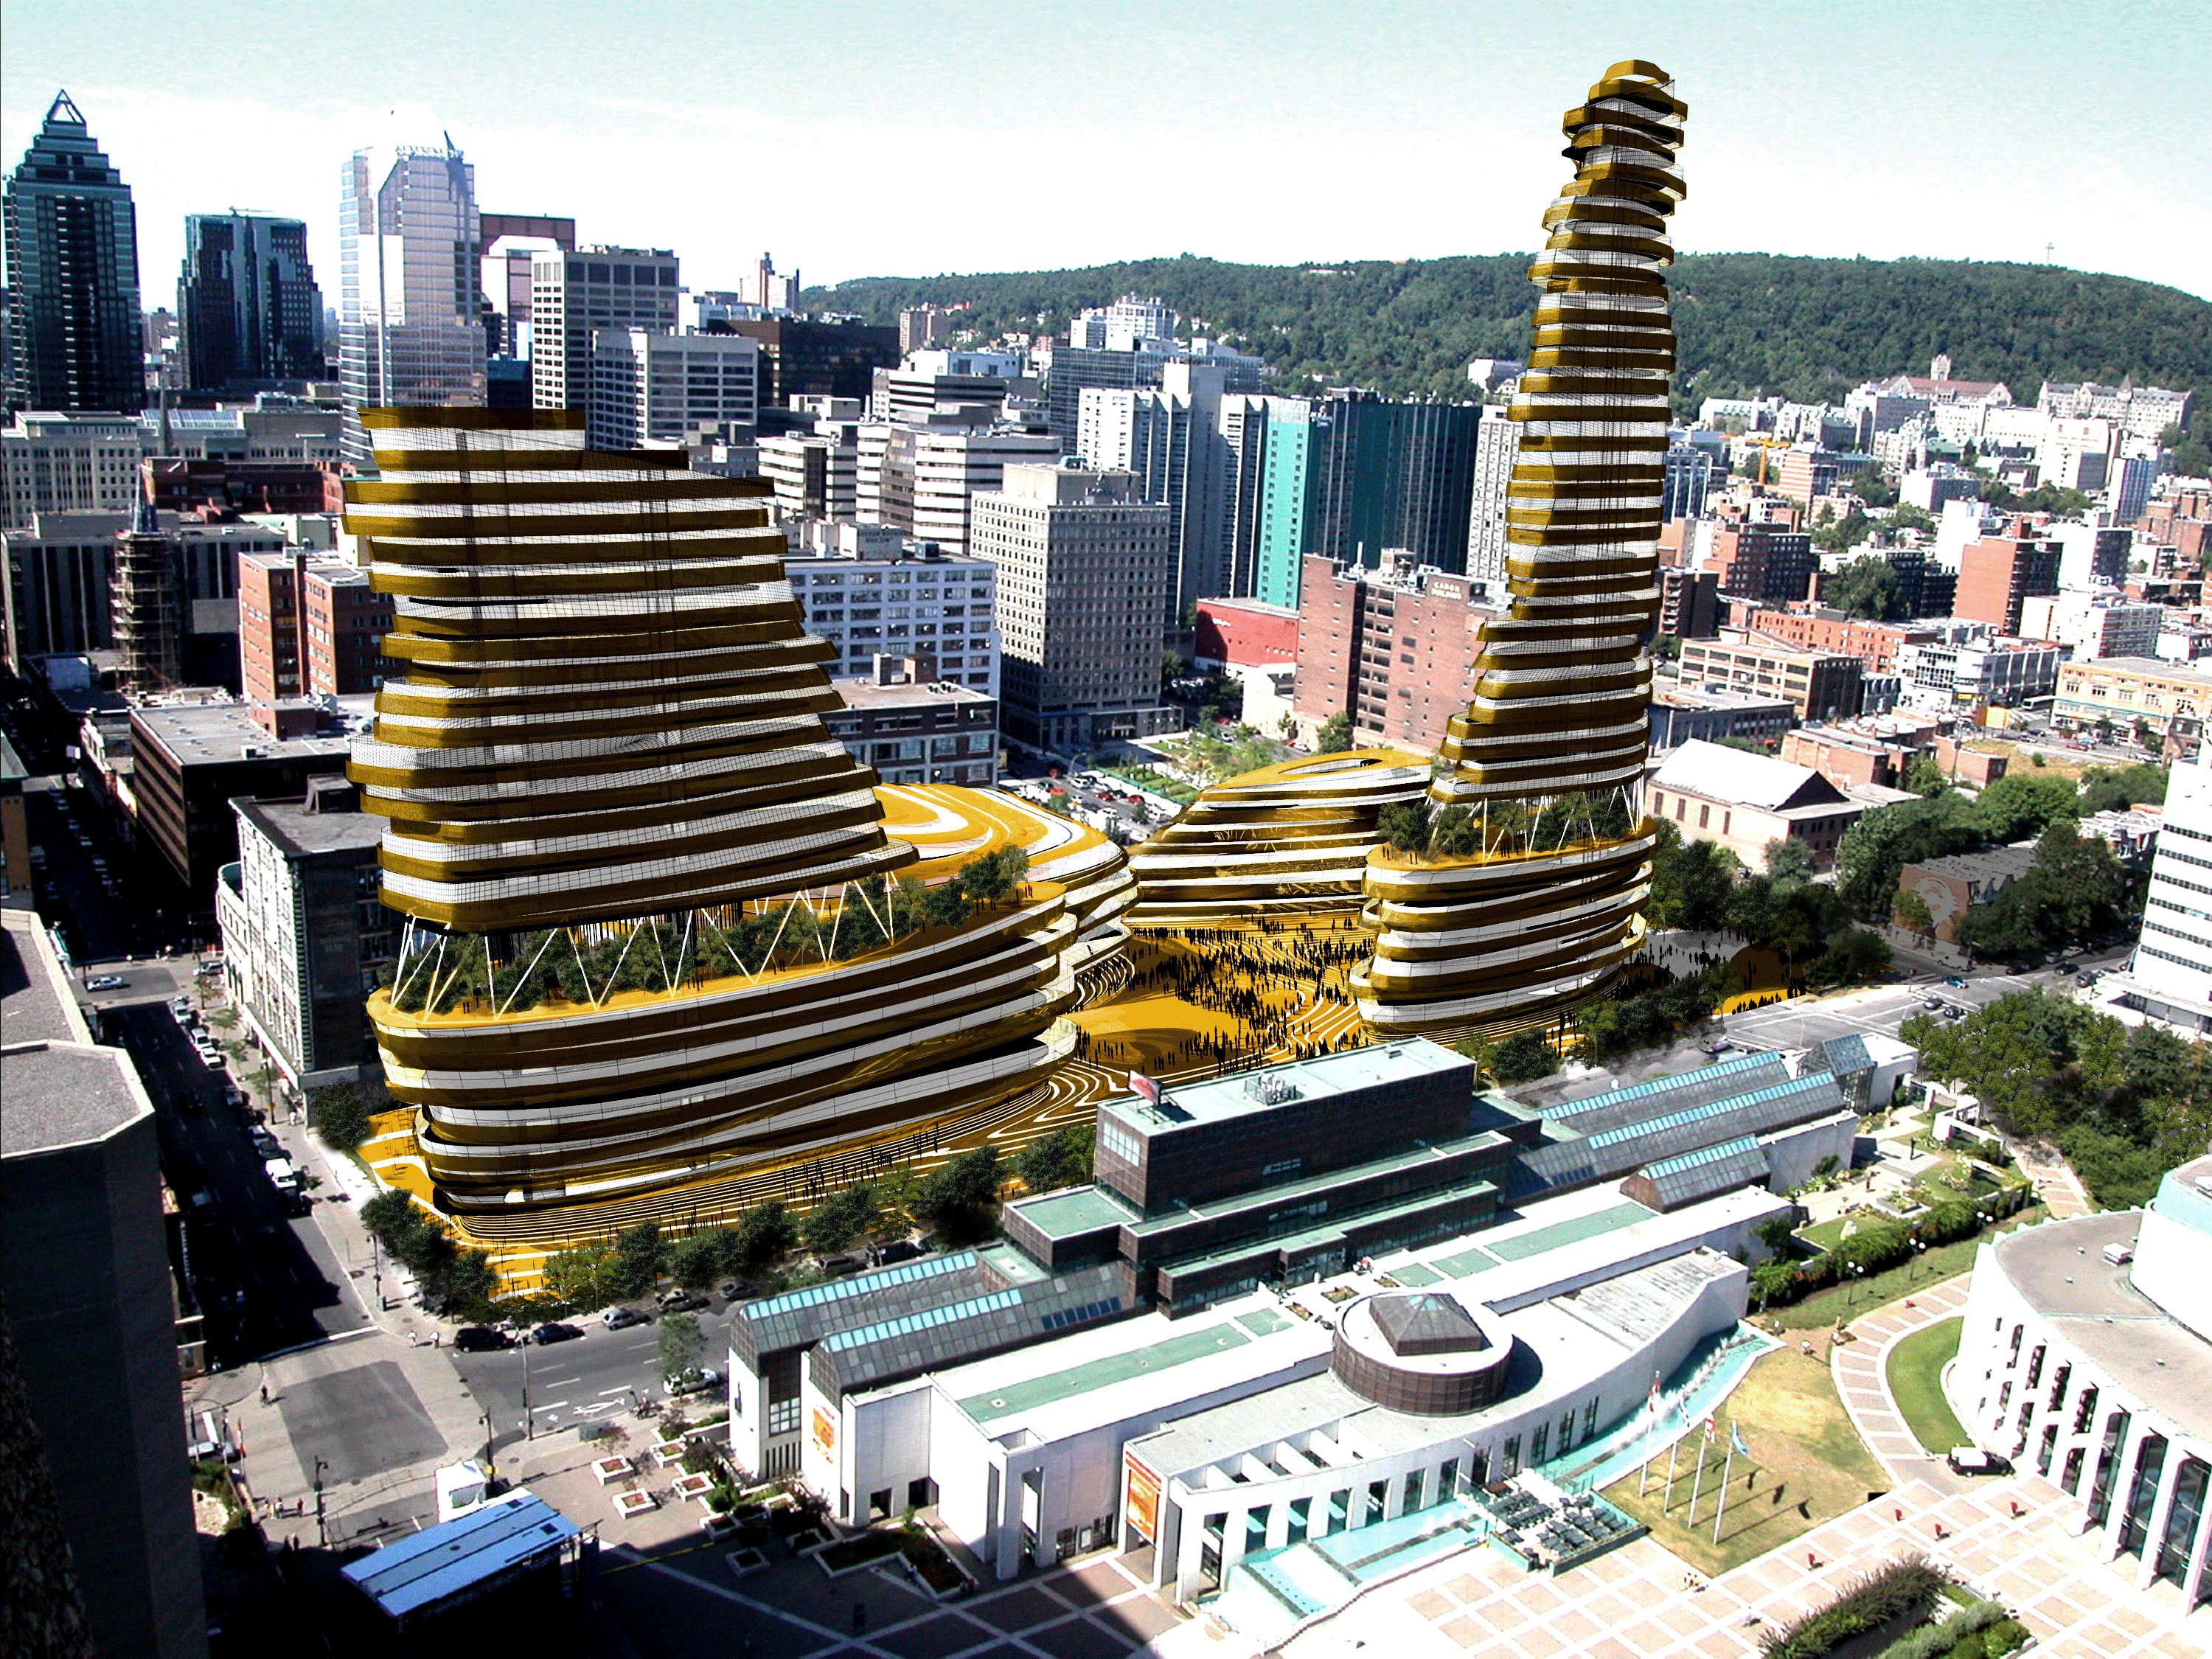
[(1286, 840), (1546, 760), (610, 739)]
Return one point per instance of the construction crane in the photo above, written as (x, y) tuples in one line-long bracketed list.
[(1768, 443)]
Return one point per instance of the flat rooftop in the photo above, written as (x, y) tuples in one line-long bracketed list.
[(1220, 1099), (212, 733), (294, 829), (865, 693), (2059, 1268), (54, 1095), (35, 1007)]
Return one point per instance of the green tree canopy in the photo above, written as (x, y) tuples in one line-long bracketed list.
[(1867, 586), (640, 1252), (1334, 735), (2023, 804), (838, 1219)]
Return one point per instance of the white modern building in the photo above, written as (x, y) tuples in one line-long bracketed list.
[(2087, 1356), (2007, 672), (2171, 972), (2093, 625), (901, 605), (1496, 446), (953, 467), (815, 474), (649, 388)]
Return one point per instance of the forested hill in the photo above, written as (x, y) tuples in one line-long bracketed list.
[(1809, 329)]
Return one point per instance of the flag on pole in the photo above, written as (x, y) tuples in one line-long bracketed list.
[(1142, 1085), (1655, 1393), (1709, 1428), (1735, 1440)]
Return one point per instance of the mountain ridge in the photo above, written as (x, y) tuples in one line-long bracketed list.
[(1806, 327)]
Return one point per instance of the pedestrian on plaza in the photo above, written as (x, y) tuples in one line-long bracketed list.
[(264, 1393)]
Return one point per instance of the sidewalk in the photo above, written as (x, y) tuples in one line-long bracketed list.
[(1861, 1373)]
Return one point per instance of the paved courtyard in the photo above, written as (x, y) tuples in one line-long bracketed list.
[(2006, 1539)]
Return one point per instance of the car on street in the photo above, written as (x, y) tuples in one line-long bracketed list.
[(2086, 982), (207, 968), (180, 1005), (545, 1334), (899, 1249), (211, 1056), (693, 1379), (481, 1339), (264, 1143), (1719, 1046), (1972, 1459), (1931, 1002), (680, 1301), (105, 982), (616, 1319)]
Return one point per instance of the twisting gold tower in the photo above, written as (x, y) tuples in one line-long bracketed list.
[(1525, 899), (659, 936)]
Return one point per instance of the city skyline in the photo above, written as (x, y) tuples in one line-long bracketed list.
[(1913, 141)]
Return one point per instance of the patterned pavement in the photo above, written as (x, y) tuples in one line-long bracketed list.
[(2006, 1539), (1861, 1373)]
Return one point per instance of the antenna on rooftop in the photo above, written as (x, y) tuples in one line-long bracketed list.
[(2047, 252)]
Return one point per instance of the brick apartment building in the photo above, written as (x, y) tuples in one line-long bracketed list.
[(1875, 644), (1758, 562), (1689, 603), (1247, 634), (1998, 575), (1395, 648), (304, 628)]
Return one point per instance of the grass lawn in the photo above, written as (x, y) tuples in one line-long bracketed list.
[(1806, 1466), (1824, 1307), (1915, 1368)]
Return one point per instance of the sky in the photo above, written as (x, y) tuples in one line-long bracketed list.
[(854, 139)]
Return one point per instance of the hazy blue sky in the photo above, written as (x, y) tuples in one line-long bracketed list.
[(857, 139)]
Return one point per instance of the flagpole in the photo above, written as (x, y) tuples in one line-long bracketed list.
[(1675, 1446), (1727, 1471), (1650, 1428), (1698, 1482)]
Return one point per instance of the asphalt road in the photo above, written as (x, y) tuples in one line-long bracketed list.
[(593, 1377), (1800, 1023), (267, 1281)]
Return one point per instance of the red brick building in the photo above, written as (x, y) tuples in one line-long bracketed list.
[(304, 629), (1395, 649), (1875, 644), (1247, 634), (1998, 574), (178, 483)]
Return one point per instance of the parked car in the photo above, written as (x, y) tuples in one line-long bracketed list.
[(899, 1249), (481, 1339), (693, 1379), (105, 982), (180, 1005), (1931, 1002), (208, 968), (1972, 1459), (616, 1319), (211, 1056), (681, 1301), (545, 1334), (1954, 979), (264, 1143), (1719, 1046), (732, 1289)]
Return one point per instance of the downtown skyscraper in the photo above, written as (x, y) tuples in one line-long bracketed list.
[(72, 244), (247, 306), (411, 333)]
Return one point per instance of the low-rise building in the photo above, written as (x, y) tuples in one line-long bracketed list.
[(189, 762), (2004, 673), (2093, 626), (914, 727), (1742, 801), (1819, 685), (1951, 885), (304, 930), (1875, 644), (2171, 702), (1681, 713)]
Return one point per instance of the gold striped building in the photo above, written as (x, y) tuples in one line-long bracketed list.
[(658, 935), (1528, 900), (1285, 842)]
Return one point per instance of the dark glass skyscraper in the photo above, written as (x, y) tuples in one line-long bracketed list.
[(247, 301), (72, 239)]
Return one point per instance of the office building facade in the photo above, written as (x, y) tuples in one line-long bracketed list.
[(656, 388), (924, 604), (247, 306), (410, 329), (72, 253), (1085, 578), (2171, 971), (574, 295)]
